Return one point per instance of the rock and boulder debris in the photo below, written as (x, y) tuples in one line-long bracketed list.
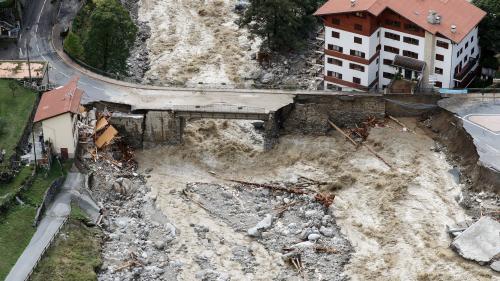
[(262, 225), (480, 242), (495, 266)]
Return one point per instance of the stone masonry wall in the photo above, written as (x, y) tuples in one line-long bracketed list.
[(310, 114), (163, 127)]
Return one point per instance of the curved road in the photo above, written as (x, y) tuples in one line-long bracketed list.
[(41, 20)]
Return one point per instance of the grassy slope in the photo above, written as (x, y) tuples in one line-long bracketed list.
[(15, 111), (75, 255), (16, 227), (13, 186)]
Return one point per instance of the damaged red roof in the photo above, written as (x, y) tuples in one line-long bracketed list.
[(464, 15), (58, 101)]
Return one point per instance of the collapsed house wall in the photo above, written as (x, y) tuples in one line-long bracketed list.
[(130, 126), (310, 114)]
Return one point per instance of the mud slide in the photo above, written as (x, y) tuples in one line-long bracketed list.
[(395, 219)]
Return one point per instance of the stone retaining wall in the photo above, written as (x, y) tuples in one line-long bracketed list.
[(310, 114)]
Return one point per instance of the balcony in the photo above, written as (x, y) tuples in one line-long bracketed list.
[(467, 74)]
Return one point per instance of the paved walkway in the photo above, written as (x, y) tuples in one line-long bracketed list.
[(47, 229)]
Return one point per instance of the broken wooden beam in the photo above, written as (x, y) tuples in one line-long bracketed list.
[(343, 133)]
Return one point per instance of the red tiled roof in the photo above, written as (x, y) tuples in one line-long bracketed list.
[(464, 15), (58, 101)]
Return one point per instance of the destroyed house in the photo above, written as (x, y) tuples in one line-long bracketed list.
[(57, 116)]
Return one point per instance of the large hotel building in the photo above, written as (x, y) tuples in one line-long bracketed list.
[(400, 44)]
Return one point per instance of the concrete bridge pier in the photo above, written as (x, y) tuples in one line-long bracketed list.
[(271, 131), (163, 127)]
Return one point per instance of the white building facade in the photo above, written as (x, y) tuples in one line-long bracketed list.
[(368, 47)]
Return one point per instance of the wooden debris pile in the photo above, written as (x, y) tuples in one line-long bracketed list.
[(101, 143)]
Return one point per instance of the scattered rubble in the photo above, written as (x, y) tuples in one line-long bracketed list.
[(480, 241)]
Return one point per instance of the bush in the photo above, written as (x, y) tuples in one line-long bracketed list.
[(73, 45)]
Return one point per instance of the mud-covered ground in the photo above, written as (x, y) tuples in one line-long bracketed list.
[(394, 219)]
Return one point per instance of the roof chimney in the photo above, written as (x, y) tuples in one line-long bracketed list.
[(353, 3), (453, 29), (433, 17)]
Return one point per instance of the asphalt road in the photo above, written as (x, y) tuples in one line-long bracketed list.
[(487, 142), (47, 229)]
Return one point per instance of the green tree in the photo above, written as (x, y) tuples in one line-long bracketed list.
[(284, 24), (109, 37), (73, 45), (489, 32)]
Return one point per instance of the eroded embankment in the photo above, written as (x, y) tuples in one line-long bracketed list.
[(449, 130), (395, 219)]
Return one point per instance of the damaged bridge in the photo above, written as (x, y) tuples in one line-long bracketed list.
[(146, 120)]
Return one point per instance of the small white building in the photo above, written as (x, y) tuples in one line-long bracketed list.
[(371, 43), (57, 115)]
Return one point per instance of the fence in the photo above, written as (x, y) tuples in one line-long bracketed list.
[(49, 195)]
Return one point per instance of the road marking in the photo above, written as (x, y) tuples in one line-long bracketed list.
[(98, 88), (64, 74), (38, 48), (83, 83), (40, 15), (477, 125), (20, 52), (44, 58)]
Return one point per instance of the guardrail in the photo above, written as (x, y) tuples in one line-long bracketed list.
[(49, 195)]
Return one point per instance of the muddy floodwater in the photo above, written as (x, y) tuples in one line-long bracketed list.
[(395, 219)]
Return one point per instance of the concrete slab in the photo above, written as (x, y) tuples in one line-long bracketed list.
[(480, 242)]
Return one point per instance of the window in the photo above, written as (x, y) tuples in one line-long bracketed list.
[(336, 21), (388, 75), (360, 14), (412, 27), (393, 23), (335, 34), (472, 39), (410, 40), (438, 70), (466, 59), (356, 80), (357, 67), (442, 44), (378, 61), (439, 57), (387, 62), (378, 34), (472, 51), (438, 84), (357, 54), (410, 54), (392, 36), (466, 45), (358, 40), (335, 48), (378, 47), (334, 74), (391, 49), (334, 61), (358, 27), (460, 52)]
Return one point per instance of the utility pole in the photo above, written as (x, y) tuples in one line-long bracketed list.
[(29, 64), (34, 143)]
